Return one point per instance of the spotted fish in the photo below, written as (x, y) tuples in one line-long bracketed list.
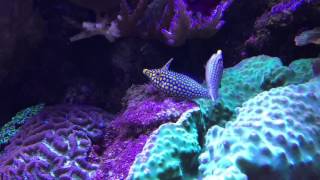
[(179, 85)]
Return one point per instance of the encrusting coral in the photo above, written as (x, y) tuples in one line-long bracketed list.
[(159, 137), (275, 135), (8, 130), (171, 151)]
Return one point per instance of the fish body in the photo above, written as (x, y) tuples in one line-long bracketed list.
[(214, 70), (180, 85), (176, 84)]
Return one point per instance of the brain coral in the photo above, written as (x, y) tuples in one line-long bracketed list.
[(56, 143), (173, 21), (275, 135)]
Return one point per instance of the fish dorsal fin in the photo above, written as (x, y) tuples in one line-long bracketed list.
[(167, 65)]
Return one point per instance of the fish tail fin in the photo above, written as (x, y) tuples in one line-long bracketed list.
[(214, 70)]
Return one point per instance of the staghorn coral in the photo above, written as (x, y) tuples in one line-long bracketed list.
[(12, 127), (173, 21), (56, 143), (275, 135)]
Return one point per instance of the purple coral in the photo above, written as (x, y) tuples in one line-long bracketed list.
[(126, 135), (194, 19), (173, 21), (57, 143)]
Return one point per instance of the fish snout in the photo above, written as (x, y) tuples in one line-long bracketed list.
[(146, 72)]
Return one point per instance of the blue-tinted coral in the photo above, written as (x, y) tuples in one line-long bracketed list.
[(267, 120), (55, 144), (275, 135), (173, 21), (171, 151)]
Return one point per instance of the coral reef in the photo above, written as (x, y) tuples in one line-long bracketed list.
[(281, 16), (275, 135), (56, 143), (250, 77), (174, 21), (172, 150), (8, 130), (126, 135), (308, 37)]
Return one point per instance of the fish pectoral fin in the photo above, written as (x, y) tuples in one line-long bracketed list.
[(167, 65)]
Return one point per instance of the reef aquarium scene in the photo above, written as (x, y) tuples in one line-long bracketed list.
[(160, 90)]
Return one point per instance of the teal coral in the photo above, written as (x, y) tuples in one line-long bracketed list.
[(245, 80), (250, 77), (275, 86), (302, 69), (275, 135), (11, 128), (171, 151)]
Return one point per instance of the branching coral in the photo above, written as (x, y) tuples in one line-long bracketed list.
[(172, 150), (174, 21)]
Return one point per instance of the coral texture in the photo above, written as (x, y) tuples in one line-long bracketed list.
[(11, 128), (171, 152), (275, 135), (174, 21), (146, 109), (283, 14), (56, 143)]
